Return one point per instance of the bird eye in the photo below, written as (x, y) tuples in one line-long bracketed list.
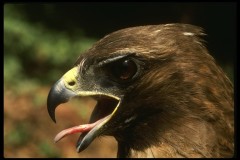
[(123, 70)]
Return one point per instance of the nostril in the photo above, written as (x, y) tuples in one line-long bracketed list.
[(71, 83)]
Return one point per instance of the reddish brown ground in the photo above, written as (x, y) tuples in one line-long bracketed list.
[(29, 131)]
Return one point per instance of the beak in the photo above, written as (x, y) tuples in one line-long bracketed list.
[(62, 91), (68, 87)]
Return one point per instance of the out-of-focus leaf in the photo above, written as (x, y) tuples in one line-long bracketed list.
[(33, 52)]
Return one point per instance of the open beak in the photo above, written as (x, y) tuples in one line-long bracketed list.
[(68, 87)]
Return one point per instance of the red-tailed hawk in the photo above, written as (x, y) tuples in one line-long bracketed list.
[(159, 93)]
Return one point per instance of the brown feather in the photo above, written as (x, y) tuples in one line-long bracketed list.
[(183, 100)]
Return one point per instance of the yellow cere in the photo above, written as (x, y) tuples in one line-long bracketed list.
[(70, 78)]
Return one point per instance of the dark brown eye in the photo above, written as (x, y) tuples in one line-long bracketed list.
[(123, 70)]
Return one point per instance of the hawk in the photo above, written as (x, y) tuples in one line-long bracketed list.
[(159, 93)]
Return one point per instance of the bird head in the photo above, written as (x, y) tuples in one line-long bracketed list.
[(144, 79)]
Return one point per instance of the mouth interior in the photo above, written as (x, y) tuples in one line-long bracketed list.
[(104, 109)]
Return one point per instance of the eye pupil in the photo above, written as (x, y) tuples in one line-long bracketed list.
[(123, 69), (127, 70)]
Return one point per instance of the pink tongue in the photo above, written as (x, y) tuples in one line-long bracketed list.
[(76, 129)]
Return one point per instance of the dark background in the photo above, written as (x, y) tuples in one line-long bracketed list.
[(43, 40), (99, 19)]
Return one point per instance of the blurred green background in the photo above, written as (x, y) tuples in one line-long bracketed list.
[(42, 41)]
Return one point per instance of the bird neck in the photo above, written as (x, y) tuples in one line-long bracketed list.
[(193, 138), (123, 150), (132, 139)]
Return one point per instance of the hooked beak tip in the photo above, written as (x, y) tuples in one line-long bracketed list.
[(57, 95), (51, 105)]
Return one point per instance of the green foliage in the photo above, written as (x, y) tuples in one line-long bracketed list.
[(34, 54), (47, 150), (39, 100), (18, 136)]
